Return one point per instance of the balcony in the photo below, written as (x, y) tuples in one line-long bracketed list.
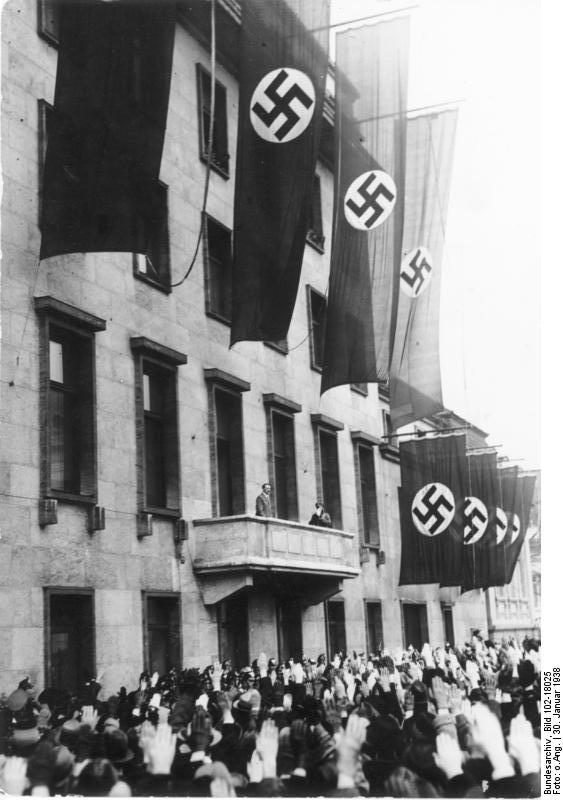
[(233, 553)]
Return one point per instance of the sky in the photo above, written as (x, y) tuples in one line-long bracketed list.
[(485, 54)]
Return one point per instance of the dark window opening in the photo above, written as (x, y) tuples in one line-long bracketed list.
[(70, 413), (315, 235), (330, 478), (415, 625), (162, 633), (220, 145), (390, 440), (229, 449), (285, 478), (160, 437), (336, 627), (69, 639), (232, 625), (448, 620), (317, 314), (374, 627), (154, 267), (368, 497), (218, 269), (360, 388), (290, 635)]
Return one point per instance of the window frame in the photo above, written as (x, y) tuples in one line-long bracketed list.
[(45, 111), (150, 594), (48, 593), (208, 282), (315, 235), (44, 30), (275, 405), (368, 604), (314, 296), (324, 426), (219, 381), (220, 165), (363, 443), (77, 326), (340, 602), (164, 361), (160, 280)]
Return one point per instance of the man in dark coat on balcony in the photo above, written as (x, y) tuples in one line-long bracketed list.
[(263, 502)]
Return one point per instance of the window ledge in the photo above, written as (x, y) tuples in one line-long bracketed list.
[(316, 368), (218, 317), (358, 390), (215, 167), (316, 242), (166, 513), (162, 287), (389, 453), (70, 497), (278, 348)]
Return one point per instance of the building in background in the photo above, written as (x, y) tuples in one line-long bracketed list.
[(134, 442)]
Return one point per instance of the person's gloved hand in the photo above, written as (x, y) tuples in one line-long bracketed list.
[(146, 735), (216, 676), (267, 747), (332, 715), (439, 694), (13, 779), (487, 736), (348, 749), (90, 717), (448, 756), (201, 735)]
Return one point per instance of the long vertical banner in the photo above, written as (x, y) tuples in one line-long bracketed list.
[(480, 540), (520, 518), (371, 98), (434, 484), (106, 132), (283, 67), (415, 378)]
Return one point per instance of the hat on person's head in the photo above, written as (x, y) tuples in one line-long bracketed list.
[(17, 700), (64, 762), (116, 746), (54, 698), (526, 673), (111, 723), (181, 714), (249, 702), (68, 733)]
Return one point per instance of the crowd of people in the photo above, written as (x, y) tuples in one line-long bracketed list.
[(443, 722)]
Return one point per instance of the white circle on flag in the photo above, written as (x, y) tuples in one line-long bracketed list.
[(475, 519), (515, 528), (416, 271), (282, 105), (501, 524), (370, 199), (433, 509)]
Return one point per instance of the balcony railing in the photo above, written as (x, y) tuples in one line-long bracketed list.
[(243, 548)]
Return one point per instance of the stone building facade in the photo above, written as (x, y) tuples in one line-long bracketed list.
[(134, 441)]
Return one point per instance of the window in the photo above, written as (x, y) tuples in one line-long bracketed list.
[(226, 442), (281, 454), (232, 625), (158, 467), (162, 642), (48, 15), (220, 146), (326, 457), (448, 620), (335, 627), (44, 117), (289, 628), (374, 627), (280, 346), (218, 266), (366, 496), (391, 440), (415, 624), (360, 388), (317, 314), (67, 401), (315, 222), (69, 638), (154, 267)]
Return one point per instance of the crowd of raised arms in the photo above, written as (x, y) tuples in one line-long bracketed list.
[(443, 722)]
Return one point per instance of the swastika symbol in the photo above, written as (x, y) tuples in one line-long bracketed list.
[(501, 524), (285, 95), (370, 199), (433, 509), (476, 520), (416, 271)]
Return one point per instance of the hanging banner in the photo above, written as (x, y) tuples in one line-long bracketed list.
[(433, 489), (415, 378), (480, 521), (283, 67), (106, 132), (370, 135), (520, 518)]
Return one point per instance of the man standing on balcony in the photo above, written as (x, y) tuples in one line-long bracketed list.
[(263, 502)]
